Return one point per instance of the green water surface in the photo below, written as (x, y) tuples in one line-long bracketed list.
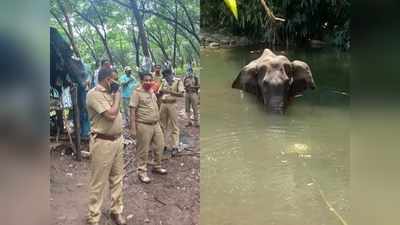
[(251, 172)]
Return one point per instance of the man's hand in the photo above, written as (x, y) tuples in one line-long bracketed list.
[(117, 94)]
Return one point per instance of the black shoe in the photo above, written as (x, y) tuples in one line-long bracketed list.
[(174, 152), (118, 219), (167, 153)]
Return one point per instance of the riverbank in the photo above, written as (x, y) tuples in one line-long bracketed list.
[(173, 199), (219, 39)]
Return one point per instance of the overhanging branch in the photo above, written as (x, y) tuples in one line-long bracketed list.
[(270, 13)]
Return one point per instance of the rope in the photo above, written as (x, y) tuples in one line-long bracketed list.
[(323, 197)]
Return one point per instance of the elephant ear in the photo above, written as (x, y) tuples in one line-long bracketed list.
[(302, 78), (247, 78)]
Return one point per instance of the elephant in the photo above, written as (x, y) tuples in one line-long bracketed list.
[(275, 80), (63, 63)]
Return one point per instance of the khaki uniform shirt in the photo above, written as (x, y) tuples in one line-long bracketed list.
[(146, 106), (189, 82), (98, 101), (176, 86)]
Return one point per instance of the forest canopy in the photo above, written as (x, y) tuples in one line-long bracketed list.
[(125, 31), (304, 20)]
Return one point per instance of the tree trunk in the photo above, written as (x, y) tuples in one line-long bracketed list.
[(182, 62), (187, 14), (92, 53), (77, 125), (152, 55), (70, 34), (102, 38), (139, 21), (195, 47), (137, 54), (108, 50), (175, 32), (160, 45), (169, 20), (161, 16), (135, 43)]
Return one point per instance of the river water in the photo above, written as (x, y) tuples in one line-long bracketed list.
[(262, 169)]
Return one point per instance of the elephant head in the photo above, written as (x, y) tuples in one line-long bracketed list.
[(274, 80)]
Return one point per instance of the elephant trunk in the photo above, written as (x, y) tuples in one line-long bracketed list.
[(276, 104), (312, 85)]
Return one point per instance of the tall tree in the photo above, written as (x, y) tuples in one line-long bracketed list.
[(68, 29), (103, 33), (98, 25), (175, 33), (87, 43), (135, 41), (142, 32)]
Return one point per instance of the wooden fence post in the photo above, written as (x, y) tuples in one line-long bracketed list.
[(77, 125)]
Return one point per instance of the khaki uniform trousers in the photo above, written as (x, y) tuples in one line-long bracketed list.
[(168, 119), (191, 102), (145, 136), (126, 109), (107, 164)]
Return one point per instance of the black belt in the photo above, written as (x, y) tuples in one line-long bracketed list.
[(148, 123), (168, 101), (106, 136)]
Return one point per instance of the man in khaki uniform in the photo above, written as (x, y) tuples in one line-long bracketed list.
[(192, 86), (106, 147), (157, 78), (145, 127), (171, 88)]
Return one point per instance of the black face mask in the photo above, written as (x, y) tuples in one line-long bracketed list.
[(169, 79), (114, 87)]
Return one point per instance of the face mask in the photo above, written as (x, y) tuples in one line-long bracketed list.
[(169, 79), (147, 86)]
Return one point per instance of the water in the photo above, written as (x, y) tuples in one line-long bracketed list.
[(263, 169)]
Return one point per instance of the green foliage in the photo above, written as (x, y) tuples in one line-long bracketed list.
[(326, 20), (117, 24)]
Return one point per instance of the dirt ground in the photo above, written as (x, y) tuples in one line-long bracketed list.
[(173, 199)]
